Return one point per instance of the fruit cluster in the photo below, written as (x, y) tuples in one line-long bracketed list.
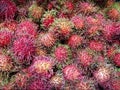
[(59, 45)]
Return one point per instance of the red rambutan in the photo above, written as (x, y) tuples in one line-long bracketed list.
[(7, 9), (96, 45), (61, 53), (71, 72), (26, 28), (116, 59), (24, 49), (115, 84), (74, 41), (5, 36), (78, 22), (84, 58)]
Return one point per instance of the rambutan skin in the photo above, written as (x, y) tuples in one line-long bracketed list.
[(46, 39), (42, 64), (95, 45), (74, 41), (24, 49), (116, 59), (7, 9), (78, 22), (5, 36), (102, 75), (5, 63), (61, 53), (71, 72), (26, 28), (84, 58)]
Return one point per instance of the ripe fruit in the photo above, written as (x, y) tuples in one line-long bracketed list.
[(78, 22), (102, 75), (35, 11), (7, 9), (96, 45), (46, 39), (86, 7), (71, 72), (115, 84), (74, 41), (64, 26), (48, 18), (42, 64), (84, 58), (61, 53), (24, 49), (5, 63), (113, 14), (26, 28), (5, 36), (116, 59)]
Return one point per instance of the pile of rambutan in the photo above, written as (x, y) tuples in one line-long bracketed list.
[(59, 45)]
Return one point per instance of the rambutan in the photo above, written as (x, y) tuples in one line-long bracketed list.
[(84, 58), (96, 45), (65, 26), (115, 84), (102, 75), (74, 41), (46, 39), (71, 72), (61, 53), (69, 5), (93, 30), (113, 14), (85, 85), (35, 11), (42, 64), (24, 49), (26, 28), (48, 18), (116, 59), (5, 36), (5, 63), (86, 7), (78, 22), (7, 9)]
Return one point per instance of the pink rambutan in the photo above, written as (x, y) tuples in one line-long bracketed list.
[(26, 28), (7, 9), (71, 72), (46, 39), (61, 53), (5, 36), (96, 45), (24, 49), (86, 7), (5, 63), (78, 22), (74, 41), (84, 58), (116, 59), (42, 65), (102, 75), (93, 30)]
